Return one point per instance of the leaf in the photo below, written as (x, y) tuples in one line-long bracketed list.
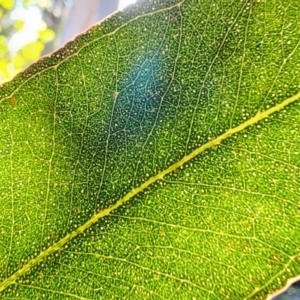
[(7, 4), (46, 35), (156, 156), (290, 292), (33, 50)]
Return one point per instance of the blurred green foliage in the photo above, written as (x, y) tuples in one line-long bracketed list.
[(13, 61)]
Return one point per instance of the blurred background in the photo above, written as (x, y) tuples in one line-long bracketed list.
[(33, 28)]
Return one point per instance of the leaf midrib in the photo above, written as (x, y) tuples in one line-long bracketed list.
[(96, 217)]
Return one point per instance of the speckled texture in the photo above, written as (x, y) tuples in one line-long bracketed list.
[(120, 104)]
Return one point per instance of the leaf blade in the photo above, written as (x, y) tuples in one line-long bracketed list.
[(116, 130)]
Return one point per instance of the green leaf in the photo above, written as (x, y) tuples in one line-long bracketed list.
[(7, 4), (46, 35), (33, 50), (156, 156)]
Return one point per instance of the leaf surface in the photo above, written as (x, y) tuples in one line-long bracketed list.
[(156, 156)]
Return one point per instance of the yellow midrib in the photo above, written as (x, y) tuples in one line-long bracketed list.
[(55, 247)]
